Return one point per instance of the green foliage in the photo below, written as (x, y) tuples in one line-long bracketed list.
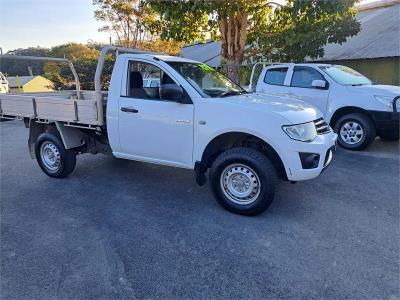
[(244, 74), (298, 29), (74, 51), (194, 20), (125, 19), (13, 67), (184, 21), (302, 28), (83, 57)]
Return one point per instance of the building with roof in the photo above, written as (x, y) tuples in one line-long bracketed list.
[(374, 51), (26, 84), (208, 52)]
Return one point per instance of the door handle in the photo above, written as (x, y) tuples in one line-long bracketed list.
[(129, 109), (183, 121)]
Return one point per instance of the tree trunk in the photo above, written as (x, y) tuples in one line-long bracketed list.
[(233, 28)]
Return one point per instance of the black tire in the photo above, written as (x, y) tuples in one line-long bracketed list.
[(367, 126), (253, 161), (66, 158)]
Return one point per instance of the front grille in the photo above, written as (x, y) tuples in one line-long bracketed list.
[(321, 126)]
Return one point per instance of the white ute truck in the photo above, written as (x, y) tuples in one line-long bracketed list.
[(356, 108), (196, 119)]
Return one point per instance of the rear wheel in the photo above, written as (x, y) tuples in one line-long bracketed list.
[(52, 157), (243, 181), (355, 131)]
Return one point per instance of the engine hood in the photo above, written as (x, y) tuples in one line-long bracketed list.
[(377, 89), (295, 111)]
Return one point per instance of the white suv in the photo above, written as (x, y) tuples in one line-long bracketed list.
[(353, 105)]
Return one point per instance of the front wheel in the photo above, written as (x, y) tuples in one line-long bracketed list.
[(243, 181), (52, 157), (355, 131)]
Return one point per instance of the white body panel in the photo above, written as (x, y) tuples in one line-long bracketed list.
[(160, 131), (335, 97), (177, 134)]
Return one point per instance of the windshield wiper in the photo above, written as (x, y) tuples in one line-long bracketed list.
[(232, 93)]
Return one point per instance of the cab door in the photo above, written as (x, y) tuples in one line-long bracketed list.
[(273, 80), (151, 128), (301, 87)]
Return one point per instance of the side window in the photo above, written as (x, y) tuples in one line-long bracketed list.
[(275, 76), (144, 80), (304, 76)]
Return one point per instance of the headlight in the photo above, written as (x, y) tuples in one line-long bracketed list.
[(385, 100), (305, 132)]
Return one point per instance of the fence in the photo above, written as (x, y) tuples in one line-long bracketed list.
[(244, 70)]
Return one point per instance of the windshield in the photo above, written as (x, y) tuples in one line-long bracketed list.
[(207, 81), (345, 75)]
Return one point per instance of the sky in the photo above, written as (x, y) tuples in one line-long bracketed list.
[(47, 23)]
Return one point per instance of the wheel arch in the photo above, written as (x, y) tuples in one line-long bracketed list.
[(367, 136), (228, 140), (344, 111), (35, 130), (70, 137)]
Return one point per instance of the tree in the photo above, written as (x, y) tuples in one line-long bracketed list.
[(84, 59), (75, 51), (125, 19), (161, 46), (301, 29), (19, 67), (129, 21), (259, 26)]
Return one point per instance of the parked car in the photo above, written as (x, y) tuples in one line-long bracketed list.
[(151, 82), (196, 119), (4, 86), (357, 108)]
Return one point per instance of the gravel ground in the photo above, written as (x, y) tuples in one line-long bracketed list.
[(121, 229)]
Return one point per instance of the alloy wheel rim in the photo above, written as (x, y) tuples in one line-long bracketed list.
[(240, 184), (351, 132)]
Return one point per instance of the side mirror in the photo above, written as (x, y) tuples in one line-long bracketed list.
[(319, 84), (171, 92)]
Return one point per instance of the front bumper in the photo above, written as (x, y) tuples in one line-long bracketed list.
[(324, 146), (386, 121)]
